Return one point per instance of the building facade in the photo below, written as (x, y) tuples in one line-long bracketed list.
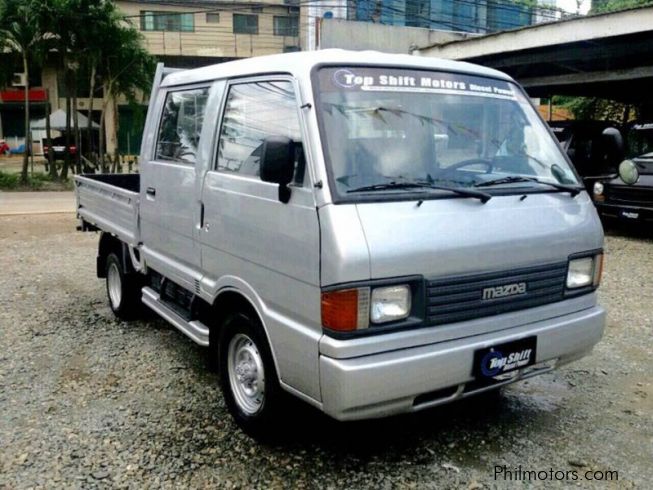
[(462, 16), (193, 33), (479, 16)]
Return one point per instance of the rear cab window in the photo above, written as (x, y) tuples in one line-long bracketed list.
[(181, 125)]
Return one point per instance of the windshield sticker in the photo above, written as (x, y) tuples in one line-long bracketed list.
[(413, 81)]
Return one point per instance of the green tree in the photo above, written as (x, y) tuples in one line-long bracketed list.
[(103, 16), (126, 70), (21, 33), (95, 41), (603, 6), (64, 21), (596, 108)]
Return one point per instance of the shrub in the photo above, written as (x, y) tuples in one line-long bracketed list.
[(9, 181)]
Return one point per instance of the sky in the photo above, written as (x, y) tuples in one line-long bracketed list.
[(570, 5)]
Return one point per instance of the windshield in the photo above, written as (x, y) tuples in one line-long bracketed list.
[(640, 145), (383, 126)]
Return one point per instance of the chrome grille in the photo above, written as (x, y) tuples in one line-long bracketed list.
[(459, 298)]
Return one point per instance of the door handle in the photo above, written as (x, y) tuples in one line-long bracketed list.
[(151, 191), (202, 225)]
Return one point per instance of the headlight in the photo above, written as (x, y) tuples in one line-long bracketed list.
[(598, 188), (390, 303), (585, 272)]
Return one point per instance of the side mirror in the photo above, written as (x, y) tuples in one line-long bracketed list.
[(614, 144), (628, 172), (278, 163)]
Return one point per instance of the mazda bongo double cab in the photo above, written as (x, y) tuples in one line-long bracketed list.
[(371, 233)]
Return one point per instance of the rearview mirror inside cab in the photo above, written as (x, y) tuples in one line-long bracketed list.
[(278, 163)]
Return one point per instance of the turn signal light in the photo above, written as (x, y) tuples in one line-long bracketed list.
[(598, 270), (346, 310)]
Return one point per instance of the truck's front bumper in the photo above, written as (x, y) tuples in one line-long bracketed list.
[(411, 379), (625, 212)]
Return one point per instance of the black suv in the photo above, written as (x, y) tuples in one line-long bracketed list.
[(58, 148), (628, 194)]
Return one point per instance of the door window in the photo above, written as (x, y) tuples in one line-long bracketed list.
[(254, 112), (181, 125)]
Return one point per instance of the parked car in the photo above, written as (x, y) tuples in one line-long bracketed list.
[(4, 148), (371, 233), (628, 194), (58, 147), (585, 144)]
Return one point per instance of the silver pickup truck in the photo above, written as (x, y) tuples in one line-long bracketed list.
[(371, 233)]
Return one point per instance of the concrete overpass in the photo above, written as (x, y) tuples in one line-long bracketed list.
[(605, 55)]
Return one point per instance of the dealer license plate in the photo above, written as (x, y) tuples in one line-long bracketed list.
[(629, 215), (494, 361)]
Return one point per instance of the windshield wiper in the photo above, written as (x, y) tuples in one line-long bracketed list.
[(573, 190), (483, 196)]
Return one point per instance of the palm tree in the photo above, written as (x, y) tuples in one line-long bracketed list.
[(126, 69), (106, 47), (21, 33), (61, 19), (103, 18)]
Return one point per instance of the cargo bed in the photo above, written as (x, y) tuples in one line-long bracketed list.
[(110, 202)]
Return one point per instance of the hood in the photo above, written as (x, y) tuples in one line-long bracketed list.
[(645, 180), (644, 165), (456, 236)]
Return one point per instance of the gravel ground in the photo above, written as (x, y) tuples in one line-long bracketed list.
[(87, 401)]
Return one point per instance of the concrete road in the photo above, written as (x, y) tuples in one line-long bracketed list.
[(12, 203)]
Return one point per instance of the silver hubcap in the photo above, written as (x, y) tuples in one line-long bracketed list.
[(114, 286), (246, 375)]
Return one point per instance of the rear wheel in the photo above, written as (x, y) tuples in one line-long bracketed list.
[(248, 378), (123, 289)]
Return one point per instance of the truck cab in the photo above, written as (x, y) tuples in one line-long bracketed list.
[(626, 194), (585, 143), (372, 233)]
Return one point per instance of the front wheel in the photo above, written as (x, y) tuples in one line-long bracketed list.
[(123, 289), (248, 378)]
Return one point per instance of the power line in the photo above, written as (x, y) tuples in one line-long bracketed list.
[(411, 12), (492, 5), (509, 7)]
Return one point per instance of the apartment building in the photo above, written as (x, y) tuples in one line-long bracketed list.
[(199, 32)]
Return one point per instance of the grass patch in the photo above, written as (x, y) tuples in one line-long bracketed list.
[(8, 181), (39, 181)]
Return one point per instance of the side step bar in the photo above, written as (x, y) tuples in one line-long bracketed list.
[(196, 330)]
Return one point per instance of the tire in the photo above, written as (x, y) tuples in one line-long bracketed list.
[(123, 290), (248, 378)]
